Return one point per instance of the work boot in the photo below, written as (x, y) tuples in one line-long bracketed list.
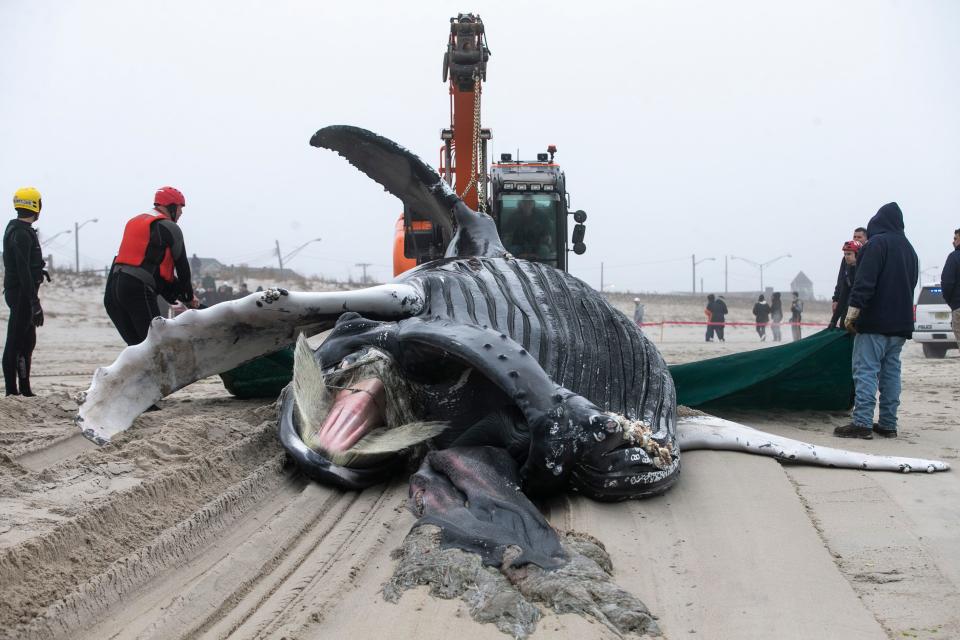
[(884, 432), (23, 376), (853, 431)]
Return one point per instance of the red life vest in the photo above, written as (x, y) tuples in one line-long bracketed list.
[(136, 239)]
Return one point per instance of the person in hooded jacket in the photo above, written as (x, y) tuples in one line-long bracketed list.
[(950, 283), (880, 313), (761, 311), (842, 295)]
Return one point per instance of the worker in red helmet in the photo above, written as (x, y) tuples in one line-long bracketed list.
[(850, 250), (152, 261)]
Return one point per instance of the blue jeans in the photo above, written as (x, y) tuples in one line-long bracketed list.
[(876, 364)]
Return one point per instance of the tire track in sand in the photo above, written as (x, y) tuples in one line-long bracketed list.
[(278, 564)]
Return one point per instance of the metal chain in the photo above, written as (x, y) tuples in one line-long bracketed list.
[(475, 160)]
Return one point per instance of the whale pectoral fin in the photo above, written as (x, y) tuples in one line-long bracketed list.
[(201, 343), (399, 171), (709, 432), (419, 187)]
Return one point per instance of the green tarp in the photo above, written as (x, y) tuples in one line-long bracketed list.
[(264, 377), (813, 373)]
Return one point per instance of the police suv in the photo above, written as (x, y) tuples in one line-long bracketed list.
[(931, 327)]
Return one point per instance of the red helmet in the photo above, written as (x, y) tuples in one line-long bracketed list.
[(168, 195), (852, 245)]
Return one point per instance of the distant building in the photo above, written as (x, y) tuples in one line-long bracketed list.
[(201, 266), (802, 285)]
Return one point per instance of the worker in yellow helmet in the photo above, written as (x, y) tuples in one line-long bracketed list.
[(23, 273)]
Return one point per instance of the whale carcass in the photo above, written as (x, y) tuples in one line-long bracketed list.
[(508, 377)]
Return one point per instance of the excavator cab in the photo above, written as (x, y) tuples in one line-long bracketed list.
[(529, 225), (530, 204)]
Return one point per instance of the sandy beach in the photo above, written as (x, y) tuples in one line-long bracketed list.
[(193, 525)]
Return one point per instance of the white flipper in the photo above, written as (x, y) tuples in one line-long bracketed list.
[(709, 432), (201, 343)]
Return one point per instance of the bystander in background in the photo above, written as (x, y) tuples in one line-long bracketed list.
[(950, 283), (708, 313), (776, 316), (719, 316), (637, 311), (761, 311), (796, 315)]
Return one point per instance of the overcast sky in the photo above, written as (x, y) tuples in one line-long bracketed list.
[(752, 129)]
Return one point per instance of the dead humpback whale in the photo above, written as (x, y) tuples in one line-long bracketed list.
[(519, 378)]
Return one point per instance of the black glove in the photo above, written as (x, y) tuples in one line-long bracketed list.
[(36, 311), (46, 274)]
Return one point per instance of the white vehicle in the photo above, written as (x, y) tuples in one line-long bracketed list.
[(931, 327)]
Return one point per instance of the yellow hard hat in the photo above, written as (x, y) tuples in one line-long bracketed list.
[(27, 198)]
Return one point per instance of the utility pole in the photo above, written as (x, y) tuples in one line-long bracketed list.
[(726, 274), (364, 265), (601, 271), (76, 239), (280, 260), (694, 262)]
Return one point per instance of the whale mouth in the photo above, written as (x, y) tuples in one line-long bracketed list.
[(358, 412)]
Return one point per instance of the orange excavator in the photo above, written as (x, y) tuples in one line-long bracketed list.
[(527, 199)]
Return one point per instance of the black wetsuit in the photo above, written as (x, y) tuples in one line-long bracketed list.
[(842, 295), (23, 272), (131, 294)]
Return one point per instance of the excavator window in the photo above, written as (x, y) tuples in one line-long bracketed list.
[(529, 226)]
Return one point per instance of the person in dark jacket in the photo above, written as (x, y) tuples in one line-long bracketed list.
[(842, 295), (859, 235), (719, 317), (776, 315), (151, 261), (880, 312), (950, 283), (23, 273), (761, 311)]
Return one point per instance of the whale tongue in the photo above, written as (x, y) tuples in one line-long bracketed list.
[(355, 412)]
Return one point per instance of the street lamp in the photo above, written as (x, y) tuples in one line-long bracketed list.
[(54, 237), (695, 262), (76, 238), (281, 258), (761, 265)]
